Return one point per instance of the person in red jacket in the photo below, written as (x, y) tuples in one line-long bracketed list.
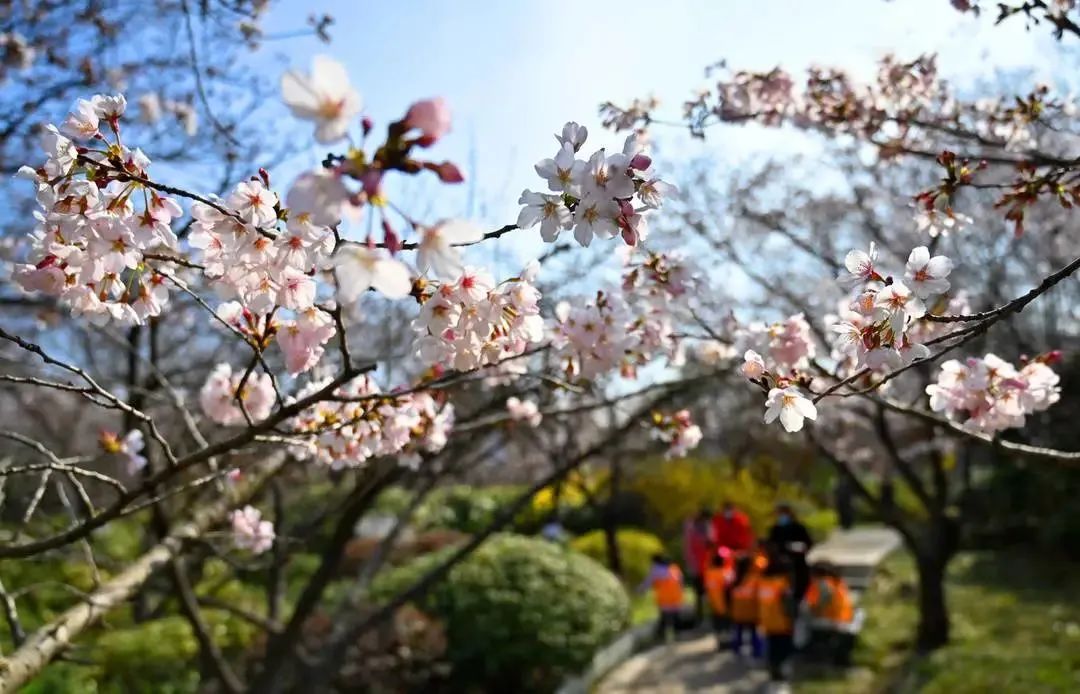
[(731, 529)]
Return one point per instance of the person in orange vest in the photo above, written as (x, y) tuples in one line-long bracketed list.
[(666, 581), (832, 612), (743, 607), (776, 613), (718, 577)]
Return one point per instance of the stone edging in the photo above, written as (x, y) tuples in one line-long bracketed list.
[(608, 658)]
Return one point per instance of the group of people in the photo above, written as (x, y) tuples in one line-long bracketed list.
[(756, 591)]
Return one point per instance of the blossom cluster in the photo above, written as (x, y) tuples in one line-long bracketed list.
[(600, 197), (775, 356), (224, 391), (250, 532), (988, 394), (471, 322), (99, 226), (524, 411), (623, 330), (876, 328), (678, 431), (361, 422)]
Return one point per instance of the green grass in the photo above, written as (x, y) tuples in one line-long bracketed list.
[(1015, 628)]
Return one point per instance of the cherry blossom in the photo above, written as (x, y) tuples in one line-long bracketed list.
[(90, 247), (130, 447), (524, 411), (360, 268), (925, 275), (218, 396), (437, 252), (860, 267), (896, 304), (325, 96), (599, 197), (989, 395), (790, 406), (753, 366), (678, 431), (470, 322), (250, 532), (548, 210), (363, 422)]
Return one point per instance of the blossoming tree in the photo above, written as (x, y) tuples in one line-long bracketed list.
[(275, 286), (268, 292), (923, 278)]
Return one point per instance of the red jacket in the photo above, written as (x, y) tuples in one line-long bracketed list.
[(734, 533)]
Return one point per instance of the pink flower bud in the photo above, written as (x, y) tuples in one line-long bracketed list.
[(640, 162), (447, 172), (390, 238), (431, 117), (367, 124), (265, 176)]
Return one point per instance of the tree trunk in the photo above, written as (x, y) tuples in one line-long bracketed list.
[(610, 520), (614, 558), (932, 559)]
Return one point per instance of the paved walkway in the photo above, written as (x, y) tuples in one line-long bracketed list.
[(692, 664)]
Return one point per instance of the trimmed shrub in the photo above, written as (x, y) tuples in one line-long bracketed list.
[(520, 613), (636, 548)]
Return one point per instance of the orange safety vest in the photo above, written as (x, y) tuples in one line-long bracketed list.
[(716, 582), (744, 605), (838, 606), (668, 590), (773, 616)]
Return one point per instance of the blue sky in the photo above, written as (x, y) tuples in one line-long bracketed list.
[(513, 72)]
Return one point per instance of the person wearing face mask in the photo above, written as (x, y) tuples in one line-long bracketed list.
[(731, 529), (791, 537)]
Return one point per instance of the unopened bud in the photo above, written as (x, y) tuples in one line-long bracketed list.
[(265, 176), (390, 238), (367, 124)]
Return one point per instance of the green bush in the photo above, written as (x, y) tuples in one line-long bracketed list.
[(520, 613), (636, 548)]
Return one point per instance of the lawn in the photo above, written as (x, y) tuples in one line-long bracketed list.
[(1016, 628)]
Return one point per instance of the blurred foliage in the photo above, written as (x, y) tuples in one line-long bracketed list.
[(674, 490), (1016, 628), (520, 613), (461, 507), (636, 548)]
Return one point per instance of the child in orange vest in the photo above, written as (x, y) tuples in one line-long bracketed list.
[(718, 576), (666, 581), (744, 606), (776, 613), (832, 612)]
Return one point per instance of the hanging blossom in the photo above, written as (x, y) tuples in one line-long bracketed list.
[(785, 345), (324, 96), (97, 225), (988, 395), (250, 532), (790, 406), (678, 431), (524, 411), (130, 447), (218, 396), (362, 422), (604, 196), (471, 322), (776, 357), (627, 329), (878, 329)]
